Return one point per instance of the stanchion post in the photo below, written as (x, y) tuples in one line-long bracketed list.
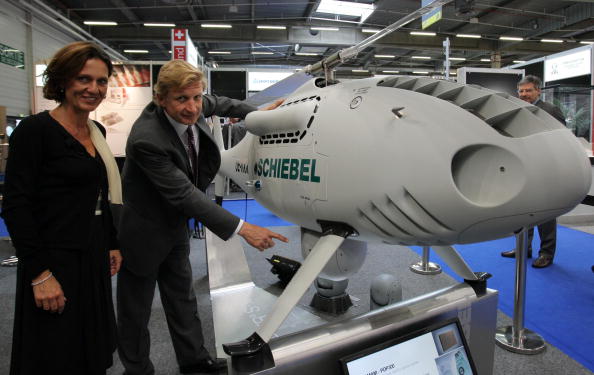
[(425, 267), (516, 338)]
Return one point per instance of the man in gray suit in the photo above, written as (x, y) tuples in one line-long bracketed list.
[(171, 158), (529, 91)]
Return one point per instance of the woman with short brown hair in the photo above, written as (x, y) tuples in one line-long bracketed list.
[(60, 180)]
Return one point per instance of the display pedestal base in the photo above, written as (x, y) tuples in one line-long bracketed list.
[(425, 267), (527, 342)]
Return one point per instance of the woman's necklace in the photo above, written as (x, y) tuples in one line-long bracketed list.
[(78, 132)]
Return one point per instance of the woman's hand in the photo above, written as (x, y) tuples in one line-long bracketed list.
[(49, 294), (115, 261)]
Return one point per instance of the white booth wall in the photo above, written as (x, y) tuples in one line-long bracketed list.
[(39, 41)]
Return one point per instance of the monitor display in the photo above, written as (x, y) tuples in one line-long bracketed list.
[(436, 350), (229, 83), (501, 82)]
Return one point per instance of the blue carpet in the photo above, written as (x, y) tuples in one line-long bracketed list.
[(3, 230), (559, 299)]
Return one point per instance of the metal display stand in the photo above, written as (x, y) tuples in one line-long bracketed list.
[(425, 267), (307, 343), (516, 338)]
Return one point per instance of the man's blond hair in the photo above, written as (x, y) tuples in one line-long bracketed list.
[(177, 74)]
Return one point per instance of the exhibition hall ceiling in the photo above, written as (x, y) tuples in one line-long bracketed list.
[(545, 26)]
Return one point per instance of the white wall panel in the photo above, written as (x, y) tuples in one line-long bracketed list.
[(15, 89), (14, 86), (47, 40)]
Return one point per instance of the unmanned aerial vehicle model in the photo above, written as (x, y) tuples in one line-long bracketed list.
[(401, 160)]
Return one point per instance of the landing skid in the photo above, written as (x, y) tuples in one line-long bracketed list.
[(240, 307)]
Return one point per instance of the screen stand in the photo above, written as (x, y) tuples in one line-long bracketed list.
[(516, 338)]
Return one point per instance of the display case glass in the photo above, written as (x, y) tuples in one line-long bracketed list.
[(575, 103)]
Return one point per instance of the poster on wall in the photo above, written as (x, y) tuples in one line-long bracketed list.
[(128, 93), (127, 75), (567, 64)]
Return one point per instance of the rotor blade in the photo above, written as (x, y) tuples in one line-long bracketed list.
[(351, 52), (279, 90), (453, 259)]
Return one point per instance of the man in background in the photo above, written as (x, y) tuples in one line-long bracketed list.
[(529, 91)]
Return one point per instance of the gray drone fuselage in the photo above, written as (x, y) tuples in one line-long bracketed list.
[(411, 161)]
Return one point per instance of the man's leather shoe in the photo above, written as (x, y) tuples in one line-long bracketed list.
[(512, 254), (206, 366), (542, 261)]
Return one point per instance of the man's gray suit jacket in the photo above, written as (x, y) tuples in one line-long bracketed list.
[(159, 196), (552, 110)]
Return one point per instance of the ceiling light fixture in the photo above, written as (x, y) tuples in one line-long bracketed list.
[(474, 36), (514, 38), (421, 57), (219, 52), (271, 27), (322, 28), (306, 54), (262, 53), (458, 58), (159, 24), (370, 31), (216, 26), (391, 71), (100, 23), (359, 71), (385, 56), (346, 8), (136, 51), (420, 72), (586, 42), (423, 33), (519, 61), (551, 40), (486, 60)]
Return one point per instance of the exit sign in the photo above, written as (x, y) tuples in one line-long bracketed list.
[(11, 56)]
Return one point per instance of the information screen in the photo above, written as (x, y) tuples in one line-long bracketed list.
[(436, 350), (502, 82)]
